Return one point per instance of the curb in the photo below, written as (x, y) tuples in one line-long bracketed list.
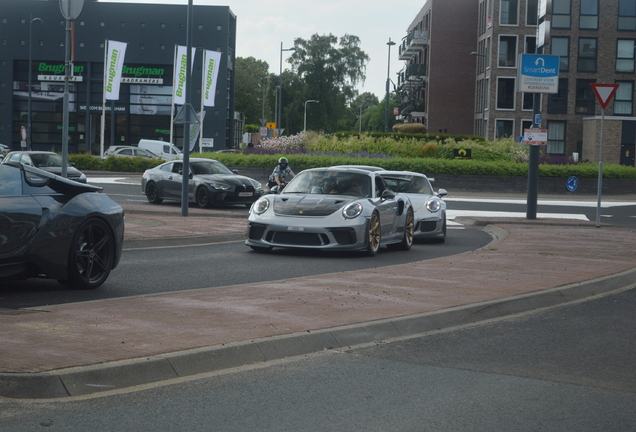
[(92, 379)]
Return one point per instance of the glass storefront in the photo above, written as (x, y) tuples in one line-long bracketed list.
[(142, 111)]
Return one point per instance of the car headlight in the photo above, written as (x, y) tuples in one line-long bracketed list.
[(433, 205), (260, 206), (219, 186), (257, 185), (352, 210)]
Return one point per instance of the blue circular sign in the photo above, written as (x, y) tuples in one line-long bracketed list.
[(572, 183)]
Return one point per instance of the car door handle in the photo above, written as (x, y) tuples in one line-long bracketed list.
[(169, 177)]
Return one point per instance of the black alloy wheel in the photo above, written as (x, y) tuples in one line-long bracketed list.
[(152, 193), (91, 255)]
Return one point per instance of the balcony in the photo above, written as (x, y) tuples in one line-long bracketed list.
[(412, 43), (412, 77)]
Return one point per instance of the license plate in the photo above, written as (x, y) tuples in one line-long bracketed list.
[(295, 228), (246, 194)]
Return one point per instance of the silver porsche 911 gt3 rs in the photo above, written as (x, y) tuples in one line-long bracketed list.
[(332, 209)]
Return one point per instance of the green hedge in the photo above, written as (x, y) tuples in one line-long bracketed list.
[(427, 165), (86, 162)]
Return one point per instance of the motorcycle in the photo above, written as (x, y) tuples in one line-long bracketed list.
[(277, 189)]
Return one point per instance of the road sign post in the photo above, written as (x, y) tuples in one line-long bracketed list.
[(604, 93)]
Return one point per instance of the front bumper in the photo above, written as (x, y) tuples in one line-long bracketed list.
[(347, 236)]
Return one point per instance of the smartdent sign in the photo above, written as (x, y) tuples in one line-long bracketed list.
[(538, 73)]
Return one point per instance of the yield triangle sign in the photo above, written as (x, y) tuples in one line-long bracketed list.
[(604, 93)]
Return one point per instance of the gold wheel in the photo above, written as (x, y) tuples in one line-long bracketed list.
[(373, 240)]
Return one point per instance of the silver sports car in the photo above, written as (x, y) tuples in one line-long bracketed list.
[(332, 209), (429, 207), (210, 183)]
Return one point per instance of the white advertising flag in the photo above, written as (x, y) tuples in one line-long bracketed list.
[(211, 64), (180, 73), (116, 52)]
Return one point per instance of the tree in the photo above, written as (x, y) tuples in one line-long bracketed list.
[(364, 105), (252, 77), (327, 69)]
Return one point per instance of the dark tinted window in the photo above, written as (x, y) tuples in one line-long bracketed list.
[(10, 180)]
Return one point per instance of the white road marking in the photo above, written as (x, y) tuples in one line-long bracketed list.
[(112, 180), (568, 203), (452, 214)]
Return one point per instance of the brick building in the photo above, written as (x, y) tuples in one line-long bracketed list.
[(594, 39)]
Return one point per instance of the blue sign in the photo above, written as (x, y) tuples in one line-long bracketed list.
[(537, 119), (572, 183), (539, 73)]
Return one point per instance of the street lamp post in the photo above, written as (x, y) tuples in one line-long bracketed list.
[(388, 81), (483, 91), (280, 90), (263, 119), (306, 102), (32, 20)]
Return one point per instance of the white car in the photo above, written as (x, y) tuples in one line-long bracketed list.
[(430, 208), (4, 149), (132, 151)]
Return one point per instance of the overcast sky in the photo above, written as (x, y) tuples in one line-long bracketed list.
[(263, 24)]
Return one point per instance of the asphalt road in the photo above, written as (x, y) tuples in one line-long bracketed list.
[(568, 368), (153, 271)]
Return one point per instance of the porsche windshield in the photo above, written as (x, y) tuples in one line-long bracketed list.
[(211, 167), (331, 183), (413, 185)]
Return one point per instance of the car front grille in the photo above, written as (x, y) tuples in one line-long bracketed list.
[(427, 226), (297, 238), (344, 236)]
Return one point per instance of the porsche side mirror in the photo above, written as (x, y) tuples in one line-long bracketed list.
[(387, 194), (442, 193)]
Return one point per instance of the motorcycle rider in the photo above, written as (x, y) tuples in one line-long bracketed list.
[(281, 174)]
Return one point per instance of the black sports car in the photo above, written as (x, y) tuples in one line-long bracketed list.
[(47, 161), (210, 183), (56, 228)]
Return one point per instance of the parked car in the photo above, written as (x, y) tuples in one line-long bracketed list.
[(4, 149), (430, 208), (110, 150), (48, 161), (131, 152), (56, 228), (339, 209), (210, 183), (164, 150)]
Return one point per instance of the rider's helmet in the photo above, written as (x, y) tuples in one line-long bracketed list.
[(283, 161)]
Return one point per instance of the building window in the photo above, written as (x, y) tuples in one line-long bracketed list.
[(162, 25), (162, 47), (102, 24), (531, 12), (81, 44), (589, 15), (504, 128), (561, 14), (625, 56), (525, 124), (627, 15), (508, 12), (584, 97), (142, 25), (561, 46), (23, 43), (122, 24), (527, 102), (587, 55), (530, 45), (200, 27), (219, 27), (505, 93), (556, 137), (624, 98), (507, 51), (558, 102)]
